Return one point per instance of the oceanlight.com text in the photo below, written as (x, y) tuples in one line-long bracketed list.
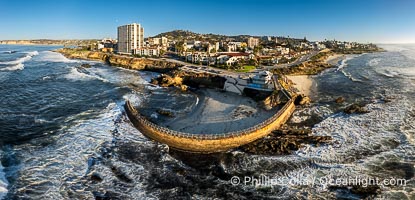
[(324, 181)]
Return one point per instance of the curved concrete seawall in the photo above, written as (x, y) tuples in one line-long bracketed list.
[(208, 143)]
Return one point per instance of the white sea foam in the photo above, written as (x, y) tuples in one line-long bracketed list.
[(46, 77), (135, 98), (75, 74), (400, 72), (359, 141), (19, 66), (344, 63), (348, 75), (3, 183), (374, 62), (49, 56), (390, 73), (366, 132), (65, 162), (26, 58)]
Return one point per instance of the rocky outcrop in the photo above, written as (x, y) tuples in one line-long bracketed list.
[(165, 80), (273, 100), (355, 108), (315, 65), (302, 100), (184, 79), (284, 141), (340, 100), (165, 112), (85, 65), (120, 60)]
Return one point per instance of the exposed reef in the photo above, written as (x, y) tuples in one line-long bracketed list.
[(120, 60)]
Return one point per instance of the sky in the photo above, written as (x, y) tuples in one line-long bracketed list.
[(377, 21)]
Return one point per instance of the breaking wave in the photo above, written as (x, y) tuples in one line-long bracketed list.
[(19, 66), (373, 62), (78, 73), (348, 75), (3, 183), (344, 63), (27, 57), (49, 56)]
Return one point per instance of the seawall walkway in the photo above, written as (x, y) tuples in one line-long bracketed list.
[(208, 143)]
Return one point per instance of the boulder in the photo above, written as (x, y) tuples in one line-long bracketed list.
[(302, 100), (165, 112), (340, 100), (284, 141), (86, 65), (184, 88), (355, 108)]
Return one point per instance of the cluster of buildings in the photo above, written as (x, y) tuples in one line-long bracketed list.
[(342, 45), (252, 50), (229, 52), (223, 52), (131, 41)]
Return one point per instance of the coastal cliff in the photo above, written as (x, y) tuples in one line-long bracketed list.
[(121, 61)]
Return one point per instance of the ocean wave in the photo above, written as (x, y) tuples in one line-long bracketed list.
[(49, 56), (361, 140), (66, 162), (19, 66), (135, 98), (342, 65), (123, 78), (393, 72), (344, 61), (27, 57), (371, 132), (348, 75), (373, 62), (389, 73), (3, 183), (77, 73), (8, 52)]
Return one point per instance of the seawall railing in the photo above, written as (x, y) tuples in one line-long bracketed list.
[(141, 119)]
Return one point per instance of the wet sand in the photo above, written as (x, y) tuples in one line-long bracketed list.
[(220, 112)]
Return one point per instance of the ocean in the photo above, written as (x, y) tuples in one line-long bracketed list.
[(64, 134)]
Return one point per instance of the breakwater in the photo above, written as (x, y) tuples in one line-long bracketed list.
[(208, 143)]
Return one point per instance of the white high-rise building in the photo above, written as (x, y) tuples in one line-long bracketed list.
[(130, 38), (253, 42)]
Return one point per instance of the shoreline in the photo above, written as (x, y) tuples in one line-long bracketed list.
[(32, 44), (305, 83), (160, 66)]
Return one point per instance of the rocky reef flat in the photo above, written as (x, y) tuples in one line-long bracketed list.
[(128, 62)]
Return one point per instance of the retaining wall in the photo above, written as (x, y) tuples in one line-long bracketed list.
[(208, 143)]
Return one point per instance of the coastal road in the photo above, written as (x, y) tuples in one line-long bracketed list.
[(298, 61), (199, 68), (207, 69)]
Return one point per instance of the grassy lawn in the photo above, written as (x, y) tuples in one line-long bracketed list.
[(246, 68)]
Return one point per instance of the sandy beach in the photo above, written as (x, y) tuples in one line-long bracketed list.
[(220, 112), (335, 59), (304, 83)]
